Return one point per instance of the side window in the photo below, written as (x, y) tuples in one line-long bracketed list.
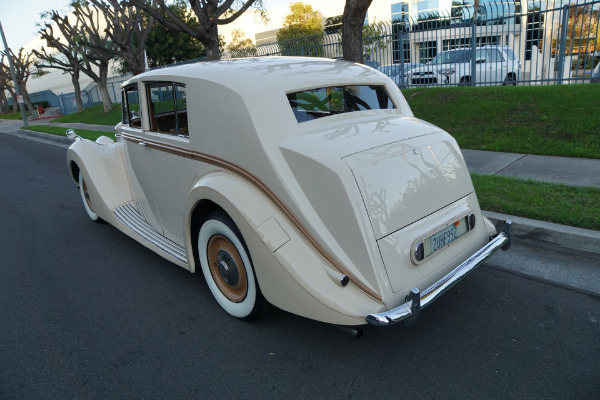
[(168, 108), (495, 56), (480, 56), (510, 54), (130, 104)]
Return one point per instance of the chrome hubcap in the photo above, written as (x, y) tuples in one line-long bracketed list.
[(227, 268)]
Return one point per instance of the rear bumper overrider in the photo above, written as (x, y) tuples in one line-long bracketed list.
[(416, 300)]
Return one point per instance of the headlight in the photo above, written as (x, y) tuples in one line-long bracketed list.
[(447, 72)]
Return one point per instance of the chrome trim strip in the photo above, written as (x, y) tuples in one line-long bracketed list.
[(260, 185), (406, 310), (131, 218)]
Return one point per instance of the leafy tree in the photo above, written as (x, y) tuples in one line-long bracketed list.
[(353, 18), (583, 30), (209, 14), (374, 37), (302, 32), (301, 21), (166, 46), (241, 46)]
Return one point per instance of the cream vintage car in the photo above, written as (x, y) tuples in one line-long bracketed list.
[(303, 182)]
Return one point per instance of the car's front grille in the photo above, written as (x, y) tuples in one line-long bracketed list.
[(424, 80)]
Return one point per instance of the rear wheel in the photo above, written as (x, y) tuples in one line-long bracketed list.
[(227, 267), (510, 80), (465, 81), (87, 202)]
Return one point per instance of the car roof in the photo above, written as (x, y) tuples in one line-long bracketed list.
[(259, 73)]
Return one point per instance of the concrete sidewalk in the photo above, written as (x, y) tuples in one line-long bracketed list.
[(566, 170)]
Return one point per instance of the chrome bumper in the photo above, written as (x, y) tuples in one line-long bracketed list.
[(409, 311)]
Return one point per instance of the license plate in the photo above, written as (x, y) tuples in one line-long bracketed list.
[(444, 237)]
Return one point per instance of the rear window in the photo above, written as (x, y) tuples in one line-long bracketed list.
[(321, 102)]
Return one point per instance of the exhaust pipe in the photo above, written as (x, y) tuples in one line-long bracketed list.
[(356, 332)]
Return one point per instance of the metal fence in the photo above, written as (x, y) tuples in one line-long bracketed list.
[(503, 44), (506, 43), (90, 95)]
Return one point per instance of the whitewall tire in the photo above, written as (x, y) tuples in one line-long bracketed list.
[(227, 267), (85, 197)]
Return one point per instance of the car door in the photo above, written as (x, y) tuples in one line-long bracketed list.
[(169, 152), (496, 66), (140, 179)]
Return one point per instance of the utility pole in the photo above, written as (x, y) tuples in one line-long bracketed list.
[(14, 76)]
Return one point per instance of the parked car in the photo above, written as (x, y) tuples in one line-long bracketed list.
[(303, 182), (494, 65), (393, 70), (595, 78)]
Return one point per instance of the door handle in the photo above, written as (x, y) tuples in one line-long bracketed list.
[(143, 143)]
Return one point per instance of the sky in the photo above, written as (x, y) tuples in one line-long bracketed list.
[(19, 18)]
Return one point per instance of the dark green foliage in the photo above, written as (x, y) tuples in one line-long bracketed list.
[(561, 204), (559, 120)]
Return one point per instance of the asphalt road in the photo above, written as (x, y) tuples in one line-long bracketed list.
[(87, 313)]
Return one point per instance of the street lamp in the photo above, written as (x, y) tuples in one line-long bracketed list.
[(14, 77)]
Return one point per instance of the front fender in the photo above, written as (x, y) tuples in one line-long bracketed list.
[(103, 167), (291, 274)]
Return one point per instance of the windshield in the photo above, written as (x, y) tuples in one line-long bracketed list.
[(321, 102), (452, 57)]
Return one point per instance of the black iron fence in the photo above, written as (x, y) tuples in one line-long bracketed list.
[(499, 44)]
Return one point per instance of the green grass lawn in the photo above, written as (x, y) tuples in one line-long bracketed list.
[(60, 131), (94, 115), (16, 115), (559, 120), (562, 204)]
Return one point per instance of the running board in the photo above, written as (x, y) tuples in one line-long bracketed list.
[(132, 219)]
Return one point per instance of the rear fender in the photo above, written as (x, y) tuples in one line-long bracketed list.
[(291, 274)]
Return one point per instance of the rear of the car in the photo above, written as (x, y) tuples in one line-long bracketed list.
[(408, 176)]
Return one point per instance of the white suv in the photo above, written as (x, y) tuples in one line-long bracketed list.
[(494, 65)]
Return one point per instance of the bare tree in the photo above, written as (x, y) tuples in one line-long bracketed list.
[(65, 59), (6, 84), (22, 63), (122, 24), (91, 42), (210, 14), (353, 19)]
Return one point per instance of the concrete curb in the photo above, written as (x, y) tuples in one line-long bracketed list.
[(563, 238), (47, 136)]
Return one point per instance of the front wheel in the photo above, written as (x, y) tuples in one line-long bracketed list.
[(227, 267), (510, 80), (85, 196)]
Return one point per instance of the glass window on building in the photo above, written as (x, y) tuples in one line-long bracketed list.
[(427, 51), (400, 12), (451, 44), (428, 5)]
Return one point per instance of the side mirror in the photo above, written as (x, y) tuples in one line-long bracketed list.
[(72, 135), (480, 61)]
